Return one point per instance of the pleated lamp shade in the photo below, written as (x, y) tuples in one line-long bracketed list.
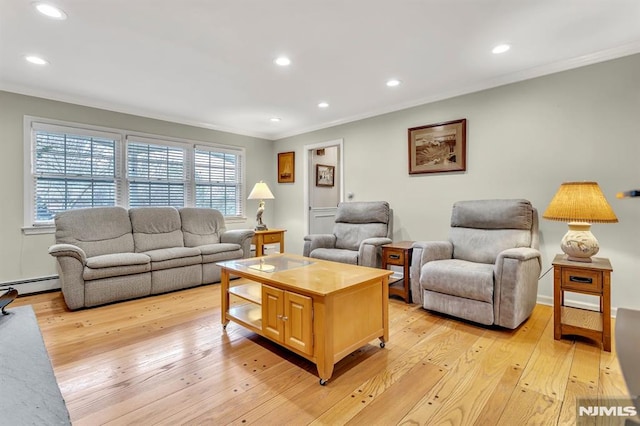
[(580, 204)]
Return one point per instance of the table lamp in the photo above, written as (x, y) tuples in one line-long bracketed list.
[(260, 192), (580, 204)]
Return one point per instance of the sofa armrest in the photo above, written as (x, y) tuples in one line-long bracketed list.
[(239, 236), (516, 271), (71, 261), (370, 251), (423, 252), (314, 241), (58, 250)]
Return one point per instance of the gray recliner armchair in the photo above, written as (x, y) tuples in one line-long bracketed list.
[(360, 229), (488, 270)]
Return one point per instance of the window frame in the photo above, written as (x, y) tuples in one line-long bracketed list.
[(32, 124)]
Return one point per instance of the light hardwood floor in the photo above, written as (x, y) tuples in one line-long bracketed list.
[(166, 360)]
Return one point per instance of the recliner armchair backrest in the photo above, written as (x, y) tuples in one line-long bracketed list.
[(481, 229), (359, 220)]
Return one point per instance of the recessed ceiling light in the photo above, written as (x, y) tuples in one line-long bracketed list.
[(323, 105), (283, 61), (501, 48), (50, 10), (275, 119), (36, 60), (393, 83)]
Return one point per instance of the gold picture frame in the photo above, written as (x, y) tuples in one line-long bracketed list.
[(438, 148), (286, 167)]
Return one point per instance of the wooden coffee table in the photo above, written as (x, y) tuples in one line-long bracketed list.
[(321, 310)]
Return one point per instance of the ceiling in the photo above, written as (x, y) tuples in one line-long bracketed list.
[(210, 62)]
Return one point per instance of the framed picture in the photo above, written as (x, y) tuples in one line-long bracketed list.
[(324, 175), (286, 167), (438, 148)]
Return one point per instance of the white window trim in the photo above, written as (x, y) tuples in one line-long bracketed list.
[(32, 123), (243, 171)]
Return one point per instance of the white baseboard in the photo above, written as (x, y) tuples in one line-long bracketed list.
[(548, 300), (37, 285), (34, 285)]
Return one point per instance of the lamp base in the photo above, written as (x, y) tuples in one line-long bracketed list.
[(262, 227), (579, 243)]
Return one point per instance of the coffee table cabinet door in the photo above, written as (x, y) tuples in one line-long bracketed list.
[(272, 313), (298, 325)]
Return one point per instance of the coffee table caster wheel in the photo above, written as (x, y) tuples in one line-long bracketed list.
[(323, 382), (382, 345)]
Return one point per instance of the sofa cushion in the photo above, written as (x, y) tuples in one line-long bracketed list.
[(97, 231), (460, 278), (117, 259), (218, 248), (174, 257), (201, 226), (212, 254), (117, 264), (156, 228), (336, 255)]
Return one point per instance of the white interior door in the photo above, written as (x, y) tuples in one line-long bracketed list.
[(324, 183)]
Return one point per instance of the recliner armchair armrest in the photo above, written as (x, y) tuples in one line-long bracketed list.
[(426, 251), (370, 251), (520, 253), (314, 241), (517, 271), (375, 241), (423, 252), (59, 250)]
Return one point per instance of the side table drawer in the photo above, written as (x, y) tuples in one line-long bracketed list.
[(271, 238), (581, 280), (394, 257)]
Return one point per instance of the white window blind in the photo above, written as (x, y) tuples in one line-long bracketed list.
[(156, 174), (219, 180), (70, 165), (71, 170)]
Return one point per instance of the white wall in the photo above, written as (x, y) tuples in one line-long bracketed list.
[(25, 256), (523, 141)]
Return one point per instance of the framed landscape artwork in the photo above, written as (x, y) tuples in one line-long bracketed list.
[(286, 167), (438, 148), (324, 175)]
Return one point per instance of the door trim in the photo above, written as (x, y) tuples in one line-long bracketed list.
[(306, 173)]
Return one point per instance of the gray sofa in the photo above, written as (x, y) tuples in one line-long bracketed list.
[(108, 254), (488, 270)]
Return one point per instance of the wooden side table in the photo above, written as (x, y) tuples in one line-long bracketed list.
[(586, 278), (269, 236), (398, 254)]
